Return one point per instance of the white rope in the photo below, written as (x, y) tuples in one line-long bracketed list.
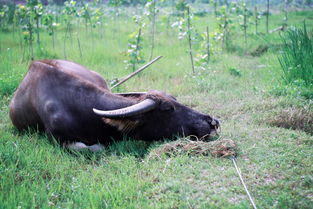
[(243, 183)]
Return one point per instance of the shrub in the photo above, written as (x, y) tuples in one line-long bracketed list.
[(296, 59)]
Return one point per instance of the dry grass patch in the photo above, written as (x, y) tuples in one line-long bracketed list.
[(294, 118), (219, 148)]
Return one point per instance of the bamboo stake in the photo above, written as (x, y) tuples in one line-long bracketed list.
[(136, 72), (256, 19), (267, 14), (285, 24), (208, 43), (245, 25), (189, 40)]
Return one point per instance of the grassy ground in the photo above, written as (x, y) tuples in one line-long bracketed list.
[(276, 163)]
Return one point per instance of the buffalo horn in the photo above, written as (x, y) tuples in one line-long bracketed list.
[(142, 107)]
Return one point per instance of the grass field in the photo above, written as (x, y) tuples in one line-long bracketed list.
[(275, 162)]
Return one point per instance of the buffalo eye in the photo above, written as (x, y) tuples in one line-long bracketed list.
[(166, 106)]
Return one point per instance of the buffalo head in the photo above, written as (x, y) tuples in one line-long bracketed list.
[(159, 115)]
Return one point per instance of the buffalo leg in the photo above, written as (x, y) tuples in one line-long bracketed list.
[(79, 146)]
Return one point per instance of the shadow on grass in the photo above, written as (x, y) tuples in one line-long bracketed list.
[(125, 147)]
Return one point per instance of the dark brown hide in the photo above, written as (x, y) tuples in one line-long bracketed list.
[(58, 97)]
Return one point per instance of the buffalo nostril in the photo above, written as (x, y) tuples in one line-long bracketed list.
[(213, 123)]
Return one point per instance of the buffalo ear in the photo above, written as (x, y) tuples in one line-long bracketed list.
[(124, 125)]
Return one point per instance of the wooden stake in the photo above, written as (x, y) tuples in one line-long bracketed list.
[(136, 72)]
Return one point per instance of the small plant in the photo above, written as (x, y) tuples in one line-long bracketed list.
[(203, 56), (166, 22), (257, 18), (224, 22), (285, 10), (37, 13), (98, 20), (20, 18), (189, 31), (116, 4), (185, 27), (235, 72), (151, 12), (4, 17), (85, 13), (214, 4), (69, 12), (267, 13), (29, 29), (243, 14), (48, 20), (134, 51), (181, 7)]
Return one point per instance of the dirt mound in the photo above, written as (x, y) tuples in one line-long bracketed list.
[(219, 148)]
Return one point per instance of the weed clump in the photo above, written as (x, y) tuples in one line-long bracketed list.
[(296, 59), (235, 72), (259, 51), (219, 148)]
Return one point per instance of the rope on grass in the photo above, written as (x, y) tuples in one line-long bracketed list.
[(243, 183)]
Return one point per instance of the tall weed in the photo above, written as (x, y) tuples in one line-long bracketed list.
[(297, 57)]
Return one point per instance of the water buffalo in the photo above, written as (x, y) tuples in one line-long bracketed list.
[(75, 106)]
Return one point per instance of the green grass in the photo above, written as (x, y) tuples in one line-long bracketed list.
[(276, 163)]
